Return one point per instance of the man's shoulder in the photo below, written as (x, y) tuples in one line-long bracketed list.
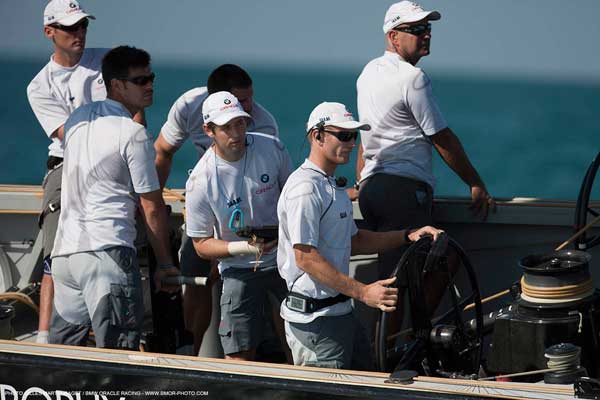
[(92, 58), (193, 98), (264, 145), (261, 113), (40, 81)]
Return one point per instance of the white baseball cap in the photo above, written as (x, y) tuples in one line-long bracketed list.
[(222, 107), (406, 12), (64, 12), (334, 114)]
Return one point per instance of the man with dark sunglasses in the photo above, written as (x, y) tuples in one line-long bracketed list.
[(317, 234), (71, 78), (395, 98), (108, 172)]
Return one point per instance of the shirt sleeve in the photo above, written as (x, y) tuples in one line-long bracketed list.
[(286, 166), (420, 100), (139, 154), (50, 113), (174, 130), (264, 121), (200, 219), (303, 214)]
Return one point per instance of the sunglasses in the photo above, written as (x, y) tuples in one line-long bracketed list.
[(83, 24), (416, 30), (343, 136), (140, 80)]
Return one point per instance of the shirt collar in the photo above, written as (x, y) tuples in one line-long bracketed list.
[(116, 104)]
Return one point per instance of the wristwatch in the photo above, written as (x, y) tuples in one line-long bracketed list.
[(357, 185)]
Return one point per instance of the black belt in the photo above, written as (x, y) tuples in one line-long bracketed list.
[(299, 302), (53, 162)]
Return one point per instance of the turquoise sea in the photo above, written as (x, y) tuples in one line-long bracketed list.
[(532, 138)]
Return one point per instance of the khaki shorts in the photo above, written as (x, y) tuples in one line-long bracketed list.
[(244, 301)]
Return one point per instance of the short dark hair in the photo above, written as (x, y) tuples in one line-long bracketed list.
[(227, 77), (116, 63)]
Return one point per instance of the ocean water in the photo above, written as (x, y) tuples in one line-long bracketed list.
[(526, 138)]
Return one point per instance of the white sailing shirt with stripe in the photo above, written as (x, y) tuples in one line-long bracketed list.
[(314, 211), (56, 92), (108, 158), (395, 98)]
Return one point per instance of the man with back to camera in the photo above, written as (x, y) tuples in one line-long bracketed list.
[(108, 163), (394, 165), (70, 79), (236, 184), (317, 235), (184, 121)]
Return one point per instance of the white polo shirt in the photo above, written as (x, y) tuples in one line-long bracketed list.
[(108, 158), (56, 92), (396, 99), (313, 211), (185, 120), (216, 187)]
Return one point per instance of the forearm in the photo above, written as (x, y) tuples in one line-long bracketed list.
[(163, 167), (369, 242), (210, 248), (311, 262), (360, 162), (454, 155), (155, 216)]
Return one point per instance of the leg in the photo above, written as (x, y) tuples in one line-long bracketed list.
[(243, 302), (111, 283), (197, 300), (70, 323), (277, 293), (49, 223), (326, 342)]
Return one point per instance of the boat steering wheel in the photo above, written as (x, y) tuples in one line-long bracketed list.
[(583, 209), (422, 346)]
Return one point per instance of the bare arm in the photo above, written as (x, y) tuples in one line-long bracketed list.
[(59, 133), (369, 242), (360, 163), (210, 247), (376, 295), (452, 152), (154, 212), (164, 159)]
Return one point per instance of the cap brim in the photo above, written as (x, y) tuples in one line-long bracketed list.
[(226, 117), (351, 125), (73, 19), (430, 15)]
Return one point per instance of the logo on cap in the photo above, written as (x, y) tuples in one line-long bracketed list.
[(227, 101), (72, 5)]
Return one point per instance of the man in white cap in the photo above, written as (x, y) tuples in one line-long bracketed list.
[(71, 78), (395, 98), (317, 235), (185, 121), (234, 189)]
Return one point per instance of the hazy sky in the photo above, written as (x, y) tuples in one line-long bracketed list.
[(550, 38)]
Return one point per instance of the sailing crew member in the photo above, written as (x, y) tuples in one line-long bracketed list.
[(236, 184), (108, 163), (317, 235), (184, 121), (70, 79), (394, 164)]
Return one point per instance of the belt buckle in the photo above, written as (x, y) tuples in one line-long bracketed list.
[(296, 303)]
